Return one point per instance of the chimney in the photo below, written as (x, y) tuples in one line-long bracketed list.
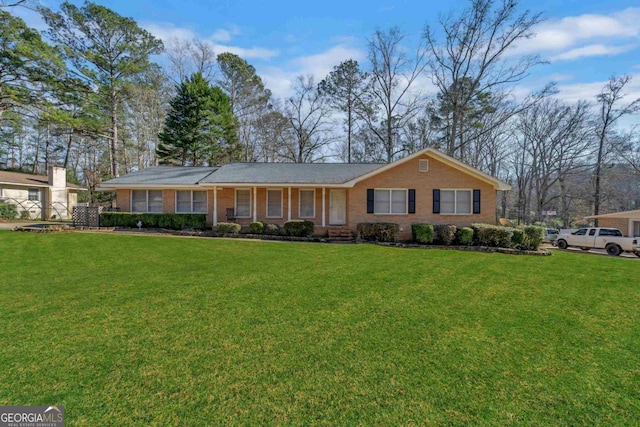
[(57, 177)]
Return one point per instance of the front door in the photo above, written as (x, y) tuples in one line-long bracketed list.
[(337, 207)]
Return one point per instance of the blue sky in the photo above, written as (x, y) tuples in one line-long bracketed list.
[(585, 41)]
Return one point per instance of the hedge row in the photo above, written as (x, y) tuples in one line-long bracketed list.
[(294, 228), (153, 220), (378, 231), (529, 238)]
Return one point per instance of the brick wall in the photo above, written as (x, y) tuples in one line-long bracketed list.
[(406, 175), (621, 224)]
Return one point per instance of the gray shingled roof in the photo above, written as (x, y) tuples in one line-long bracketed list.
[(164, 175), (289, 173)]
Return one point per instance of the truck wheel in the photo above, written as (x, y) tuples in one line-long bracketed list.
[(613, 249), (562, 244), (637, 254)]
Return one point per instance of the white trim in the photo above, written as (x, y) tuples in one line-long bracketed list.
[(215, 206), (235, 202), (38, 195), (455, 201), (497, 184), (143, 187), (324, 197), (391, 190), (147, 200), (300, 203), (267, 203), (420, 163), (255, 204), (288, 203), (206, 203), (18, 184)]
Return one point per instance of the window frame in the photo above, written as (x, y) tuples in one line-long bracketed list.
[(191, 211), (300, 190), (235, 202), (146, 192), (455, 201), (420, 163), (267, 190), (37, 197), (391, 190)]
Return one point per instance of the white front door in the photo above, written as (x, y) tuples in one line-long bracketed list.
[(337, 207)]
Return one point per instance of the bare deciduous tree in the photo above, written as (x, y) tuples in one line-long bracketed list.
[(470, 61)]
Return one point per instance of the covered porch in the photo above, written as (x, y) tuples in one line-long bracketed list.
[(326, 207)]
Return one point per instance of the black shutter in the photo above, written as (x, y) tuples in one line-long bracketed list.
[(412, 201), (436, 201), (370, 200), (476, 201)]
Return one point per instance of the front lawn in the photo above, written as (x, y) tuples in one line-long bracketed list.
[(139, 330)]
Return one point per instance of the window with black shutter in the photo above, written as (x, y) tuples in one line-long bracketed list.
[(412, 201), (436, 201), (370, 200), (476, 201)]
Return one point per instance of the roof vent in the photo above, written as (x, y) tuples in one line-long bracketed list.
[(423, 165)]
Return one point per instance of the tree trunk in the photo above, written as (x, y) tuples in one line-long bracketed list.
[(114, 134)]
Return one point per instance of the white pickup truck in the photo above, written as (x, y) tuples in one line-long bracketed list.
[(610, 239)]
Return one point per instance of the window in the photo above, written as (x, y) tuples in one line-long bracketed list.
[(146, 201), (592, 232), (581, 232), (610, 232), (191, 201), (423, 165), (307, 203), (34, 194), (243, 203), (390, 202), (274, 203), (455, 202)]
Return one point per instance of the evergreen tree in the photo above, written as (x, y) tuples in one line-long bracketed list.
[(200, 128)]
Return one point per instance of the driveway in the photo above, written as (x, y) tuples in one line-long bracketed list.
[(593, 252)]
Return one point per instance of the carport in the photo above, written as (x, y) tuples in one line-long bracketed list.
[(628, 222)]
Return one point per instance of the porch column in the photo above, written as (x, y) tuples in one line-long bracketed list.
[(255, 204), (323, 206), (289, 204), (215, 206)]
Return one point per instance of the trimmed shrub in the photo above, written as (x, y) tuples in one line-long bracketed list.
[(228, 228), (271, 229), (517, 239), (298, 228), (25, 214), (8, 211), (153, 220), (256, 227), (464, 236), (378, 231), (444, 234), (422, 233), (491, 235), (533, 236)]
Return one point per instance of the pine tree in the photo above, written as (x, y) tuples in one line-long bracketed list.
[(200, 128)]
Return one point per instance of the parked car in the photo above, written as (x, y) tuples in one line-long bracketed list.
[(550, 235), (610, 239)]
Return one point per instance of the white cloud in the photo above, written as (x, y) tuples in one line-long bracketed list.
[(168, 32), (586, 35), (591, 50), (588, 91), (318, 65)]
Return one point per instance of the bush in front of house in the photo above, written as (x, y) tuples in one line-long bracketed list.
[(517, 238), (464, 236), (228, 228), (378, 231), (492, 235), (533, 236), (422, 233), (153, 220), (444, 234), (8, 211), (298, 228), (271, 229), (256, 227)]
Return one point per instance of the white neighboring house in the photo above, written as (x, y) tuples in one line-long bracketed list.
[(42, 196)]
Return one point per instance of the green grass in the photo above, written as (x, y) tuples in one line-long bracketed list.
[(133, 330)]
